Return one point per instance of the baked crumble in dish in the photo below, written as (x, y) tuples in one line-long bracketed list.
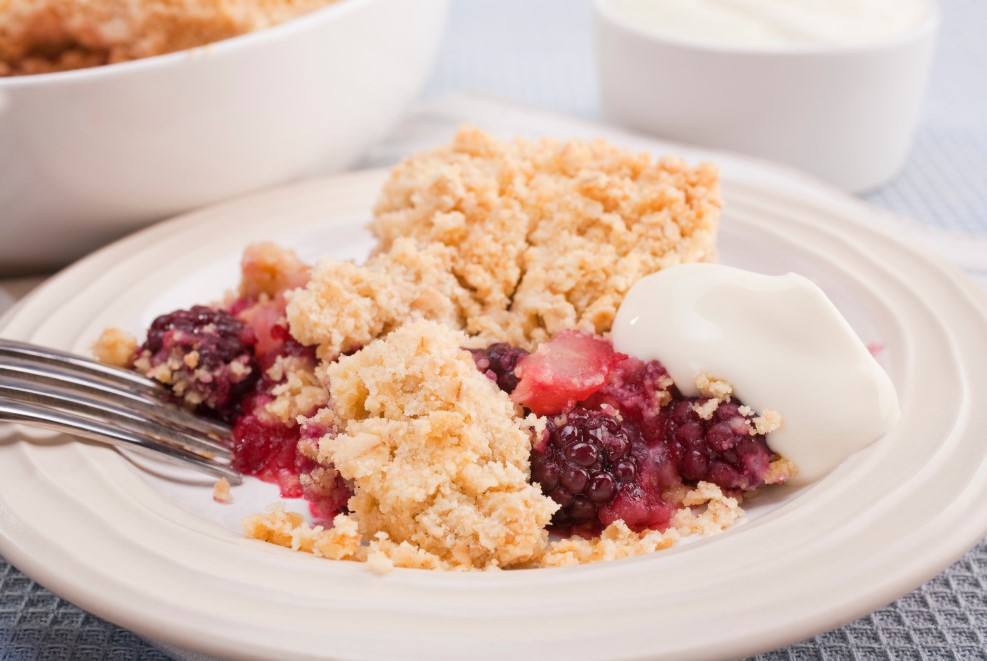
[(42, 36), (454, 401)]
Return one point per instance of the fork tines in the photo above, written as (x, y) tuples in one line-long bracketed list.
[(56, 390)]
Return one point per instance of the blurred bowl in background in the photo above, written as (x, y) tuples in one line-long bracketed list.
[(88, 155), (845, 113)]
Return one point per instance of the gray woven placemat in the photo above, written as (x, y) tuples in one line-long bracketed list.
[(540, 54)]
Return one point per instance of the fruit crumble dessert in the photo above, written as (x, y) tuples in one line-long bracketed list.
[(455, 401), (41, 36)]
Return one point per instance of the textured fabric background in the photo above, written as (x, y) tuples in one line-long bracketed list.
[(540, 54)]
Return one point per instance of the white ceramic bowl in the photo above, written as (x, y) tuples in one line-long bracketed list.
[(845, 114), (88, 155)]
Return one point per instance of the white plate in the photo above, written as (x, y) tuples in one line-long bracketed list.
[(160, 558)]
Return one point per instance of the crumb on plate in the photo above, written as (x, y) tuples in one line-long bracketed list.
[(221, 491), (116, 348)]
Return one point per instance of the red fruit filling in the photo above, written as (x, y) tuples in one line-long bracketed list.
[(566, 370), (621, 439), (266, 448)]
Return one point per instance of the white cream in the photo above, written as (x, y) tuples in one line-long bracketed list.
[(782, 345), (774, 23)]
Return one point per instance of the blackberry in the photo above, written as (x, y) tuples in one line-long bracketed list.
[(598, 469), (497, 362), (206, 356), (722, 450)]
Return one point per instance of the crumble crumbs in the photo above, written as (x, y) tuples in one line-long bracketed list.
[(174, 372), (41, 36), (706, 511), (719, 391), (268, 270), (721, 511), (780, 471), (512, 241), (716, 391), (615, 542), (221, 491), (346, 306), (706, 409), (299, 390), (767, 422), (436, 453), (289, 529), (714, 388), (116, 348)]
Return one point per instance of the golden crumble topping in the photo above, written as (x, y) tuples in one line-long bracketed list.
[(719, 513), (299, 390), (39, 36), (767, 422), (615, 542), (436, 453), (513, 241), (346, 306)]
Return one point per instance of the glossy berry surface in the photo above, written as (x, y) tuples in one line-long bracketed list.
[(598, 469), (722, 450)]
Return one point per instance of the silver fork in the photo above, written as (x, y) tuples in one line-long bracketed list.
[(64, 392)]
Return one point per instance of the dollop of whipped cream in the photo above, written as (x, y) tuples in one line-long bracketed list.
[(782, 345), (774, 23)]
